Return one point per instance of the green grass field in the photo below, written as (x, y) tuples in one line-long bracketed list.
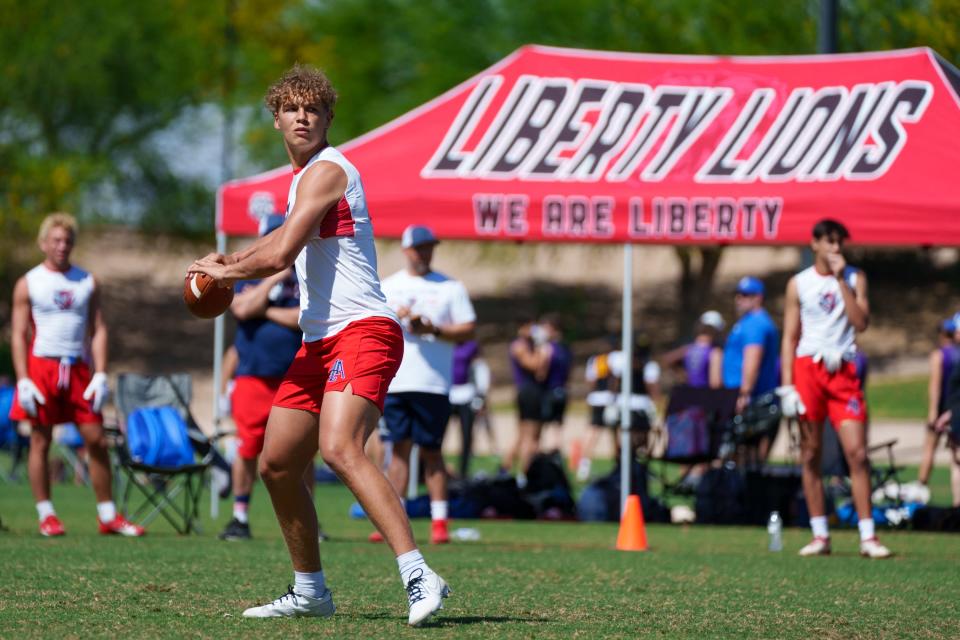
[(521, 580)]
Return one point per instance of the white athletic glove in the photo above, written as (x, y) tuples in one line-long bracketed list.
[(98, 390), (831, 360), (28, 396), (226, 398), (791, 405)]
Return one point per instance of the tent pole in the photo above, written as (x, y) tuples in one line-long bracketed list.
[(218, 328), (626, 386)]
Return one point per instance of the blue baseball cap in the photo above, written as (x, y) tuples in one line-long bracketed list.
[(750, 286), (415, 235), (955, 321), (270, 223), (949, 325)]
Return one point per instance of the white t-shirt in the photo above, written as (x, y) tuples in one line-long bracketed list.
[(651, 370), (60, 308), (337, 269), (824, 326), (427, 364)]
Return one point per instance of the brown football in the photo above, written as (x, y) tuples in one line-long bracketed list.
[(204, 298)]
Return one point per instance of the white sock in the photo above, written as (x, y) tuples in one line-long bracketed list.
[(45, 509), (311, 584), (107, 511), (408, 563), (240, 513), (867, 530), (438, 510), (819, 526)]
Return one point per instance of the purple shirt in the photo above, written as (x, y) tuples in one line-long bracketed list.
[(696, 362), (559, 371), (463, 355), (521, 377)]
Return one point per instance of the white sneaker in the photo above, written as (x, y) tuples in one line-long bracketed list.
[(817, 547), (295, 605), (425, 591), (873, 549)]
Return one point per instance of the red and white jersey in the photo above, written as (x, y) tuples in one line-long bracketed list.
[(337, 269), (824, 326), (60, 307)]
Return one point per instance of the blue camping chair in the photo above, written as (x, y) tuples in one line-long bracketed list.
[(161, 453)]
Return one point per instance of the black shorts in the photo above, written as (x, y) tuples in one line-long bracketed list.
[(530, 403), (421, 417), (554, 405)]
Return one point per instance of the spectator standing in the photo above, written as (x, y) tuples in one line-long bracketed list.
[(436, 313), (702, 359), (598, 375), (464, 394), (558, 363), (943, 360), (751, 353), (528, 364)]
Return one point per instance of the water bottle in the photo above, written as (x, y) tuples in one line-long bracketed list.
[(775, 529), (465, 534)]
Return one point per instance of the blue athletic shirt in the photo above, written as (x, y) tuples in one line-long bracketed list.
[(266, 349), (754, 328)]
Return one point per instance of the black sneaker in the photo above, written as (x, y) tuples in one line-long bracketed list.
[(236, 530)]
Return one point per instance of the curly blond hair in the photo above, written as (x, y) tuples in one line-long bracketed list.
[(301, 84), (57, 219)]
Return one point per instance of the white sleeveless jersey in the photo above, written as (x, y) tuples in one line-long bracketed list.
[(60, 306), (337, 269), (824, 326)]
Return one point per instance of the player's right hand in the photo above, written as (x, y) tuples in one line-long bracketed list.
[(28, 396), (791, 405)]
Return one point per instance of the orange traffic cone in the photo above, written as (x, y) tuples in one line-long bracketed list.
[(576, 452), (633, 531)]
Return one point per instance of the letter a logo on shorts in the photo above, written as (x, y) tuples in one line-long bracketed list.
[(336, 372)]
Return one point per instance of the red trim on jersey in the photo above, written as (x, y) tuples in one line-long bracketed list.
[(339, 222)]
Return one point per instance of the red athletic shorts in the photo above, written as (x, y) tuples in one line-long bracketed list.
[(251, 400), (835, 395), (62, 386), (365, 355)]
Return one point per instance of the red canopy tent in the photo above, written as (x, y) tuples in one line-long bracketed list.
[(566, 145), (590, 146)]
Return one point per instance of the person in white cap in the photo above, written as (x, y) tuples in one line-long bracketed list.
[(702, 359), (436, 313), (58, 332), (825, 307)]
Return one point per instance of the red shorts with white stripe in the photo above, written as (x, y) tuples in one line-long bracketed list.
[(365, 355), (62, 384), (836, 395), (250, 402)]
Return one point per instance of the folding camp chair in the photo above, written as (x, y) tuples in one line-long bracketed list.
[(160, 450), (697, 425)]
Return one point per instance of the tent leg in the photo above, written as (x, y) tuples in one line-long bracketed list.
[(218, 328), (626, 387)]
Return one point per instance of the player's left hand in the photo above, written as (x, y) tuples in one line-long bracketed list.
[(98, 390), (210, 266), (943, 422), (837, 264)]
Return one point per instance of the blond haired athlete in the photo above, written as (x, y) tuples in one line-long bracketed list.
[(333, 393), (57, 322)]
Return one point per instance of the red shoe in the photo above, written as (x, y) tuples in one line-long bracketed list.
[(438, 532), (376, 536), (52, 527), (121, 526)]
